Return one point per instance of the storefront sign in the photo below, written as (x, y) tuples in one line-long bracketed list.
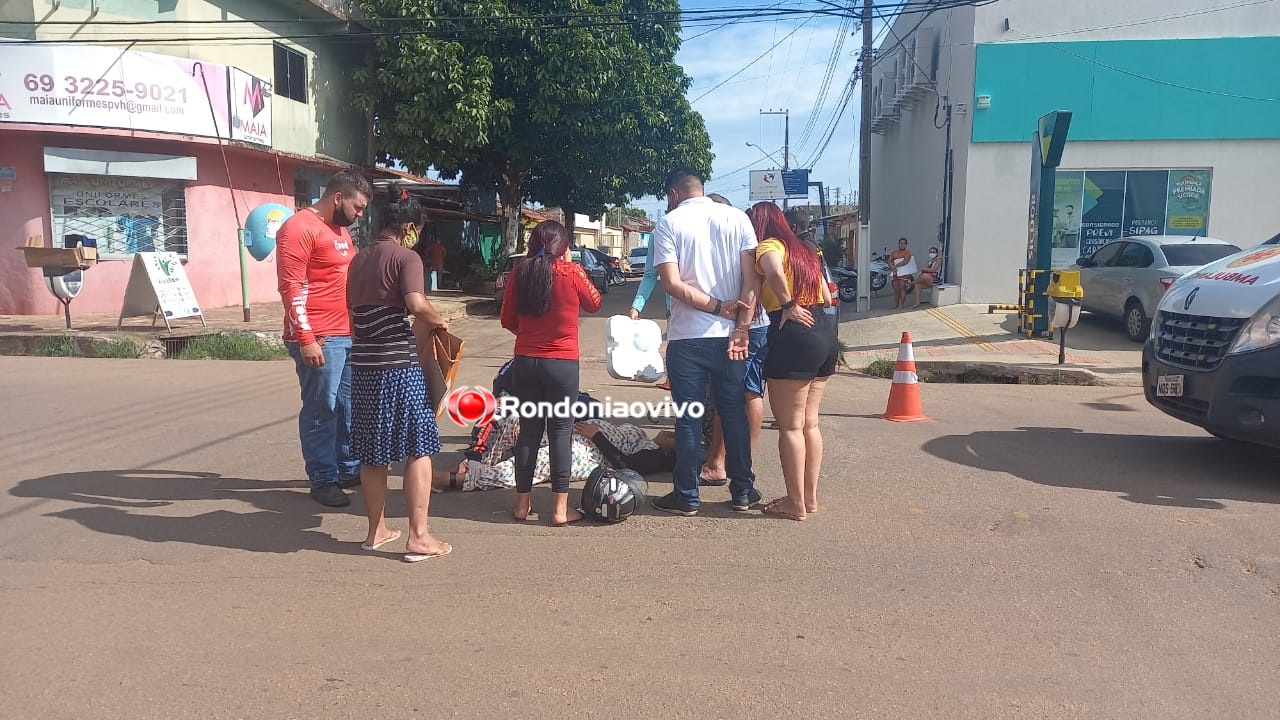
[(250, 108), (1094, 207), (108, 87), (117, 195), (121, 215), (158, 284)]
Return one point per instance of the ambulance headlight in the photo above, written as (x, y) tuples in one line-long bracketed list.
[(1262, 331)]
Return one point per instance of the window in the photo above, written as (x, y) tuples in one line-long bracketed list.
[(301, 193), (1197, 254), (291, 73), (1135, 255), (1106, 255), (122, 215)]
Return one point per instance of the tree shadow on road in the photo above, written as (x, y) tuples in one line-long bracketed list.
[(117, 502), (1153, 470)]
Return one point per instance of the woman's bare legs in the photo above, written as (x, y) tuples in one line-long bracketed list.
[(812, 443), (788, 399), (417, 496), (924, 281), (373, 488), (561, 514)]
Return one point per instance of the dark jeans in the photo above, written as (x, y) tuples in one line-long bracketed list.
[(544, 380), (692, 366)]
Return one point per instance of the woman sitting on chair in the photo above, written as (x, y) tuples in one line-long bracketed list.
[(930, 275)]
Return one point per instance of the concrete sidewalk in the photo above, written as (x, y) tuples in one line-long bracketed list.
[(959, 337), (19, 334)]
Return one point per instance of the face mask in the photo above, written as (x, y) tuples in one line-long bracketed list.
[(933, 255)]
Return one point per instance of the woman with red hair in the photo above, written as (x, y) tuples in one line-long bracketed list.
[(802, 354)]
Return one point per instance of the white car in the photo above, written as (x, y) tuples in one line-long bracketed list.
[(1126, 278), (637, 259)]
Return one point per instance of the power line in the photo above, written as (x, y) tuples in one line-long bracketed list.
[(832, 63), (1158, 81), (753, 62)]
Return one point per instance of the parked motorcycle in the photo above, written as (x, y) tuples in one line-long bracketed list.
[(615, 276), (881, 273), (846, 281)]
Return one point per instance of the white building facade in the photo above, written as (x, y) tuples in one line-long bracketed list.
[(1175, 128)]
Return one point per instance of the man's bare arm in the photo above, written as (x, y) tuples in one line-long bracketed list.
[(669, 276), (749, 298)]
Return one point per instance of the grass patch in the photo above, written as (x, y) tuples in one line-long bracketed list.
[(232, 346), (840, 359), (880, 368), (124, 348), (57, 346), (974, 377)]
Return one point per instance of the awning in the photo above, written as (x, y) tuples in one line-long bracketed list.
[(74, 161)]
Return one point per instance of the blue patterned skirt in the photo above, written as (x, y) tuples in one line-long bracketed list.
[(390, 416)]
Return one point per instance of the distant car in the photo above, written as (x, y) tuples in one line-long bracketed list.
[(588, 258), (596, 264), (637, 259), (1127, 278)]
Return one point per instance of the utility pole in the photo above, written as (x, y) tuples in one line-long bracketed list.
[(864, 159), (786, 141)]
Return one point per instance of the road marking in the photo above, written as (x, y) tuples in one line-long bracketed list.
[(964, 330)]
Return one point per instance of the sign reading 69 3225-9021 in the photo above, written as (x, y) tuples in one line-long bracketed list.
[(66, 84)]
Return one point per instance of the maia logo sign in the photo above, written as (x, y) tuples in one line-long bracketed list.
[(254, 96)]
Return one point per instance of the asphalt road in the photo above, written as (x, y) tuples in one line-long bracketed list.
[(1036, 552)]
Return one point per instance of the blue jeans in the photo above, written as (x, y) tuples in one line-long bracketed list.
[(324, 424), (691, 366)]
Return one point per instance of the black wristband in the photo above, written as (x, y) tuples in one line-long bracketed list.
[(789, 304), (719, 306)]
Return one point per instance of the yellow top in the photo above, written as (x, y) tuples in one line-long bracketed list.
[(767, 297)]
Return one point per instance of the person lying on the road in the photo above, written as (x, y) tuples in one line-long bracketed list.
[(489, 463)]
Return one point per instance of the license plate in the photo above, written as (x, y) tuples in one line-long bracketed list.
[(1169, 386)]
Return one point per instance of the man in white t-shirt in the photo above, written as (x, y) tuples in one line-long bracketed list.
[(705, 255)]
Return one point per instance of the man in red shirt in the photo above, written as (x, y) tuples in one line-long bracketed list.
[(313, 250)]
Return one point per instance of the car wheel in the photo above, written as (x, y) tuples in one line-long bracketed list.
[(1136, 323), (847, 293)]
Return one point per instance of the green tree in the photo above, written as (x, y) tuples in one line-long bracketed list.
[(576, 103)]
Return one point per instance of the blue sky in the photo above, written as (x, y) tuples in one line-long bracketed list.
[(790, 76)]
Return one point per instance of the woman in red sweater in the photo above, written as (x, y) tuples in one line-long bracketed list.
[(541, 305)]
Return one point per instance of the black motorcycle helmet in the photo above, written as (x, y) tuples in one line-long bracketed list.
[(611, 495)]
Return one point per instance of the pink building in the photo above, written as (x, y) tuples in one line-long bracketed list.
[(166, 150)]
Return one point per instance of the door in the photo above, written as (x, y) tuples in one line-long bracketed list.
[(1096, 279), (1130, 273)]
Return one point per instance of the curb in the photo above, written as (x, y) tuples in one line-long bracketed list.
[(160, 345), (953, 371)]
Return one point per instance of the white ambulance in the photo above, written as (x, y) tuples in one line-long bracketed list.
[(1213, 358)]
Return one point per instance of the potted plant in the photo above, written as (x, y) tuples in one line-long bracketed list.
[(481, 278)]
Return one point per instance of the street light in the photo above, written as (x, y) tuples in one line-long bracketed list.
[(767, 154)]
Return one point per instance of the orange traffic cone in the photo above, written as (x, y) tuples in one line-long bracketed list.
[(904, 395)]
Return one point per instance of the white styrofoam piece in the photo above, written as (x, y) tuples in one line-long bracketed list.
[(631, 348)]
